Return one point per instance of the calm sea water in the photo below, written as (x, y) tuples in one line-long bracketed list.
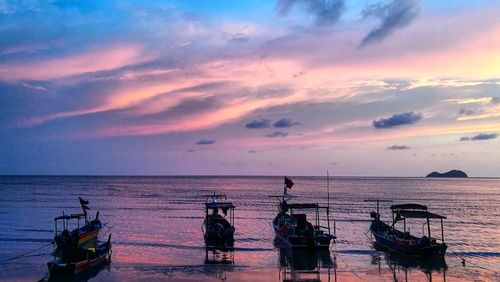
[(156, 227)]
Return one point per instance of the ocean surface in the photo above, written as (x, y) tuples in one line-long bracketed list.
[(156, 228)]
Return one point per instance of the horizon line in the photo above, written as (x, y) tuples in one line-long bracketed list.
[(235, 175)]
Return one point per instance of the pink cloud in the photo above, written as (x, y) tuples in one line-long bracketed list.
[(97, 59)]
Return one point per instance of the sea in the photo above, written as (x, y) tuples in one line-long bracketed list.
[(155, 222)]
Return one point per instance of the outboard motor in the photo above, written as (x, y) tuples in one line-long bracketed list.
[(374, 215), (424, 241)]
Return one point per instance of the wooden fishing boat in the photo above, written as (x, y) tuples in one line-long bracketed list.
[(81, 260), (85, 234), (77, 250), (403, 242), (291, 227), (218, 230)]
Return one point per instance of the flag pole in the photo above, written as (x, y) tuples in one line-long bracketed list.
[(284, 189)]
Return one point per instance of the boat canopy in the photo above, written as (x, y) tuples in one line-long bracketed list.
[(219, 205), (70, 216), (419, 214), (305, 206), (409, 207)]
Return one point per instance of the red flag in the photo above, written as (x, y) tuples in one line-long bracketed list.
[(288, 183), (84, 204)]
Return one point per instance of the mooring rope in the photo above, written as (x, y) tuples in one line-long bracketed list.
[(348, 267), (23, 255), (463, 261)]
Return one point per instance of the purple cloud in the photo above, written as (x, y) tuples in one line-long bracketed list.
[(205, 142), (258, 123), (285, 122), (277, 134), (325, 12), (394, 15), (479, 137), (398, 147), (468, 112), (397, 120)]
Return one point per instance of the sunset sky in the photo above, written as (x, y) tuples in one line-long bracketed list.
[(287, 87)]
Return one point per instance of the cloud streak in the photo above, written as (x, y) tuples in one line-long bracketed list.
[(98, 59), (479, 137), (277, 134), (205, 142), (394, 15), (406, 118), (325, 12), (398, 147)]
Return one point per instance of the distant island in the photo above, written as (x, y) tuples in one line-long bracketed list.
[(451, 173)]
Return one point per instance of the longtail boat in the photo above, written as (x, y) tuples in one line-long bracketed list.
[(218, 230), (403, 242), (78, 249), (291, 227)]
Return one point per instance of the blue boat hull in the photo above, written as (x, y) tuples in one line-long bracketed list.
[(391, 239)]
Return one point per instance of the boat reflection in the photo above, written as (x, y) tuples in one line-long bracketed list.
[(409, 268), (86, 275), (219, 255), (305, 265), (220, 260)]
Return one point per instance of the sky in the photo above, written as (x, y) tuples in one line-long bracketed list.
[(286, 87)]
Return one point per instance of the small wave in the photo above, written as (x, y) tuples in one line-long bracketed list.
[(252, 249), (29, 240), (356, 252), (34, 230), (253, 240), (160, 245), (476, 254), (189, 247), (184, 217), (170, 270), (353, 220)]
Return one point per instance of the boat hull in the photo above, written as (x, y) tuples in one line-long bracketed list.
[(384, 238), (215, 238), (102, 256), (282, 239)]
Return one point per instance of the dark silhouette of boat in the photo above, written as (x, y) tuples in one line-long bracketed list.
[(77, 250), (304, 265), (219, 255), (218, 230), (219, 261), (400, 264), (291, 227), (403, 242)]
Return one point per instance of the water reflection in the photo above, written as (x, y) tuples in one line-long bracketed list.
[(219, 255), (305, 265), (221, 260), (403, 267)]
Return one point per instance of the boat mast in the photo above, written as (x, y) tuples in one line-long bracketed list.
[(428, 227), (328, 201), (328, 189), (442, 231), (284, 190)]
